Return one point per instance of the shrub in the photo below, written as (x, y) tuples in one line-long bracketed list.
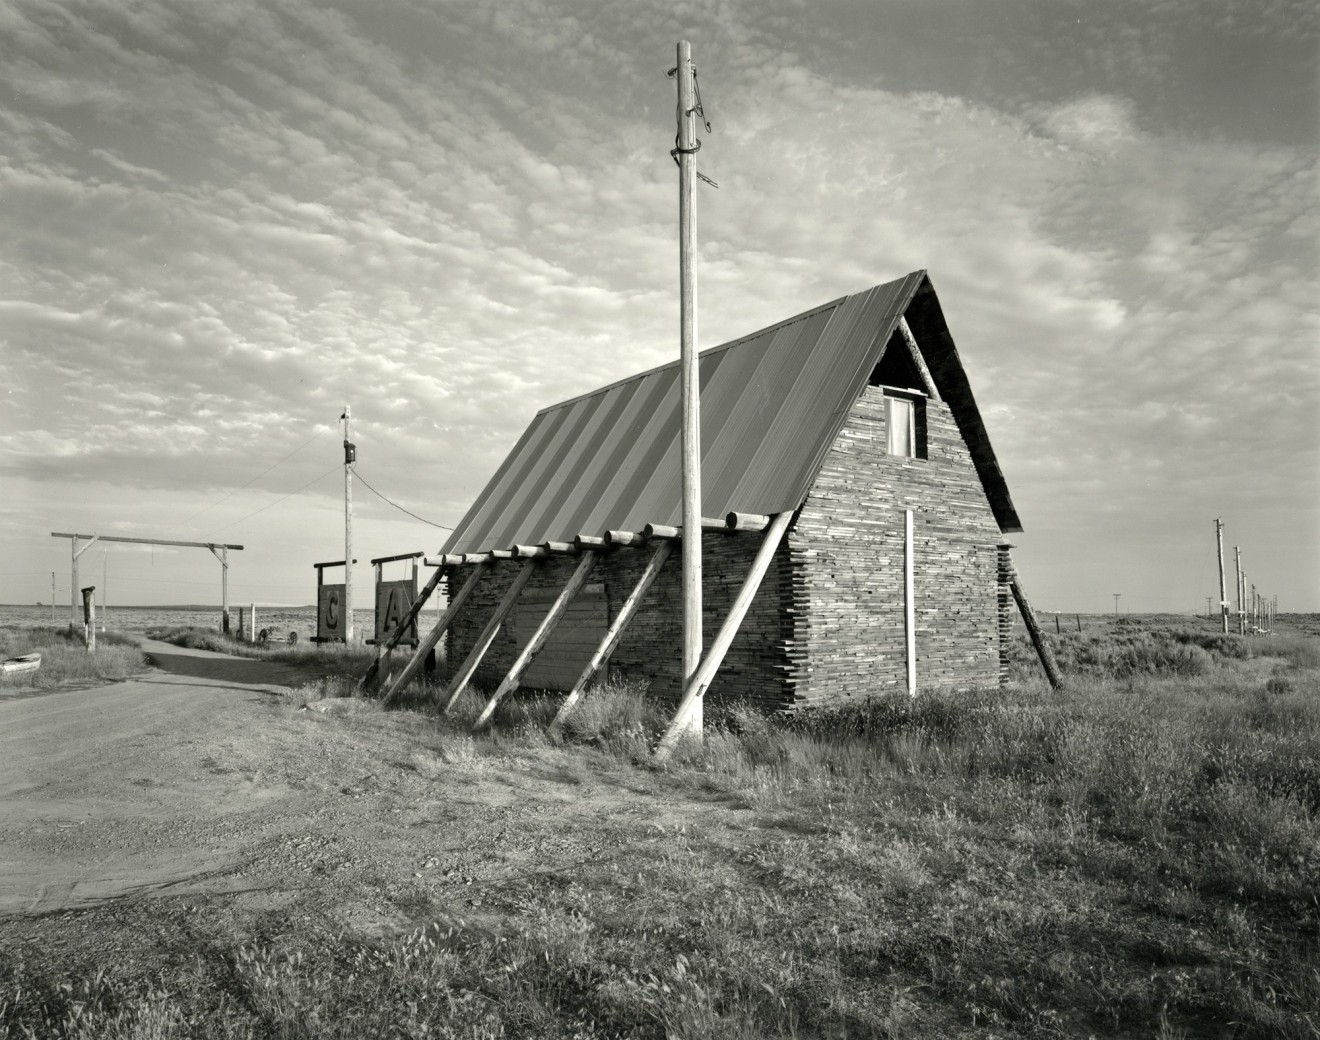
[(1158, 657), (612, 711)]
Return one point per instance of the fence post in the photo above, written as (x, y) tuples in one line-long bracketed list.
[(89, 618)]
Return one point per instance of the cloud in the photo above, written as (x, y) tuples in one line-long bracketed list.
[(226, 221), (1096, 123)]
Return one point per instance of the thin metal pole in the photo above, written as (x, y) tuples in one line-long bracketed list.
[(73, 588), (690, 381), (1223, 589), (348, 526)]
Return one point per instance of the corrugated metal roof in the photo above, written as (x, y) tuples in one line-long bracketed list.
[(771, 405)]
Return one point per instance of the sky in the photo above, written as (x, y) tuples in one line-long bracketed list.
[(225, 220)]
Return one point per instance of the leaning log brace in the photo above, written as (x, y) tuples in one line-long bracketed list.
[(539, 638), (615, 633), (1033, 629), (710, 664), (370, 678), (433, 637), (464, 674)]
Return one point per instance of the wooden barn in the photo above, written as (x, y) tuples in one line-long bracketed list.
[(854, 419)]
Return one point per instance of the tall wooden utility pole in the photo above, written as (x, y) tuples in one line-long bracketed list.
[(1237, 563), (350, 456), (1223, 590), (689, 376), (1116, 595)]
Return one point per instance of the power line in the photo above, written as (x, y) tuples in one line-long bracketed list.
[(320, 431), (208, 581), (332, 469), (396, 505)]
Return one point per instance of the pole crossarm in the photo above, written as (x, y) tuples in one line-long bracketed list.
[(395, 559), (145, 541)]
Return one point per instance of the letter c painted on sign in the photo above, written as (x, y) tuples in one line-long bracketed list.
[(332, 610)]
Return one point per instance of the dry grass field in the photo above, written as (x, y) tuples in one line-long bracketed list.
[(64, 657), (1137, 856)]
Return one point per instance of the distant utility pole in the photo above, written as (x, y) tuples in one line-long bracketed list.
[(1237, 556), (1116, 595), (1223, 590), (350, 456), (52, 597), (1207, 605)]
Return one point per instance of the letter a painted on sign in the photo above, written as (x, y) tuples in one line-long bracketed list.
[(395, 609)]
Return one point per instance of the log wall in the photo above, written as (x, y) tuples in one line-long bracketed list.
[(651, 650), (846, 563)]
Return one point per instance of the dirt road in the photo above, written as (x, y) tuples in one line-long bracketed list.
[(206, 779), (138, 786)]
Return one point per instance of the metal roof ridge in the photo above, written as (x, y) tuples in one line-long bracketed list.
[(709, 350)]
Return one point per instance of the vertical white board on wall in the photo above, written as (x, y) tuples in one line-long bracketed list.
[(909, 604)]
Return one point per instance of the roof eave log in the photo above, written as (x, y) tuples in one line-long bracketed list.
[(443, 560), (746, 521), (611, 539)]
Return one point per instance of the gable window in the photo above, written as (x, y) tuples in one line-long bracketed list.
[(905, 424)]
